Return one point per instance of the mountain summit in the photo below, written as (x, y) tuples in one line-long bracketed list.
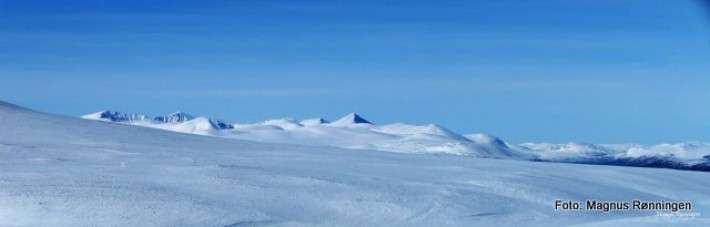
[(350, 119)]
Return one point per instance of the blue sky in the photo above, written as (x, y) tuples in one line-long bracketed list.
[(543, 71)]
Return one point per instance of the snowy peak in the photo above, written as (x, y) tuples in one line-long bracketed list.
[(176, 117), (439, 130), (114, 116), (407, 129), (350, 119), (484, 139)]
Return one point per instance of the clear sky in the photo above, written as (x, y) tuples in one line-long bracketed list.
[(598, 71)]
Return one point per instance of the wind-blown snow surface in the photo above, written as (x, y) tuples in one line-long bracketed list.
[(354, 131), (61, 171)]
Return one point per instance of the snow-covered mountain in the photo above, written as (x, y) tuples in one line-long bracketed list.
[(178, 121), (355, 132), (65, 171)]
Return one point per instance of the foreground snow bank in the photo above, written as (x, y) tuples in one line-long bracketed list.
[(60, 171)]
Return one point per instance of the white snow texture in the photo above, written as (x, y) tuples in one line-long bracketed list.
[(64, 171)]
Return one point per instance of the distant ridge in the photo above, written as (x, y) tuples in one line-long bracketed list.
[(354, 131), (177, 119)]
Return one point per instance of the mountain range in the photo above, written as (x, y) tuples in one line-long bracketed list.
[(353, 131)]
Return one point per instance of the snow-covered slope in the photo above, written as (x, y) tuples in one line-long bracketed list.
[(62, 171)]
